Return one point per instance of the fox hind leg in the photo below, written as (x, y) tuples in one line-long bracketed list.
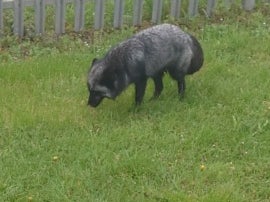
[(179, 76), (181, 87)]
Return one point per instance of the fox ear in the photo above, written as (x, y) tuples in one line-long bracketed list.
[(94, 60)]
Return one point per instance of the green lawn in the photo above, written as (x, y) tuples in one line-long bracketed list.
[(211, 146)]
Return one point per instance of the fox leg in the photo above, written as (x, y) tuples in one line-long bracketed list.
[(181, 86), (140, 90), (158, 85), (179, 76)]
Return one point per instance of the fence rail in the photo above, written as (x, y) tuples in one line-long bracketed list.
[(18, 7)]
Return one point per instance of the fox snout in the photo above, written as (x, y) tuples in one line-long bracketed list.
[(94, 101)]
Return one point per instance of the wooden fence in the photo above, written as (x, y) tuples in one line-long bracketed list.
[(18, 7)]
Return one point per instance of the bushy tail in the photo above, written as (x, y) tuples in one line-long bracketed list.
[(197, 59)]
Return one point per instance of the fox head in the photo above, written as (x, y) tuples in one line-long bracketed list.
[(104, 81)]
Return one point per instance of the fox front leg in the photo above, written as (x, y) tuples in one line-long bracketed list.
[(140, 90)]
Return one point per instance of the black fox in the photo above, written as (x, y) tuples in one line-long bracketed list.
[(149, 53)]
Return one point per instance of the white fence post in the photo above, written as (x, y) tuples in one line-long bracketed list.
[(248, 5), (39, 16), (157, 11), (193, 8), (175, 8), (210, 7), (137, 12), (79, 15), (18, 17), (99, 14), (60, 16), (118, 13)]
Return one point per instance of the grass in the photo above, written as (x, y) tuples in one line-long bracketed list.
[(54, 148)]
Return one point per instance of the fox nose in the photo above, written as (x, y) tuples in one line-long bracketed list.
[(93, 101)]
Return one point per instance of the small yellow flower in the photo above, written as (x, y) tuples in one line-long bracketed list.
[(55, 158), (202, 167), (30, 198)]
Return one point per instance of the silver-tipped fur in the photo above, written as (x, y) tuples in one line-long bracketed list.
[(149, 53)]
